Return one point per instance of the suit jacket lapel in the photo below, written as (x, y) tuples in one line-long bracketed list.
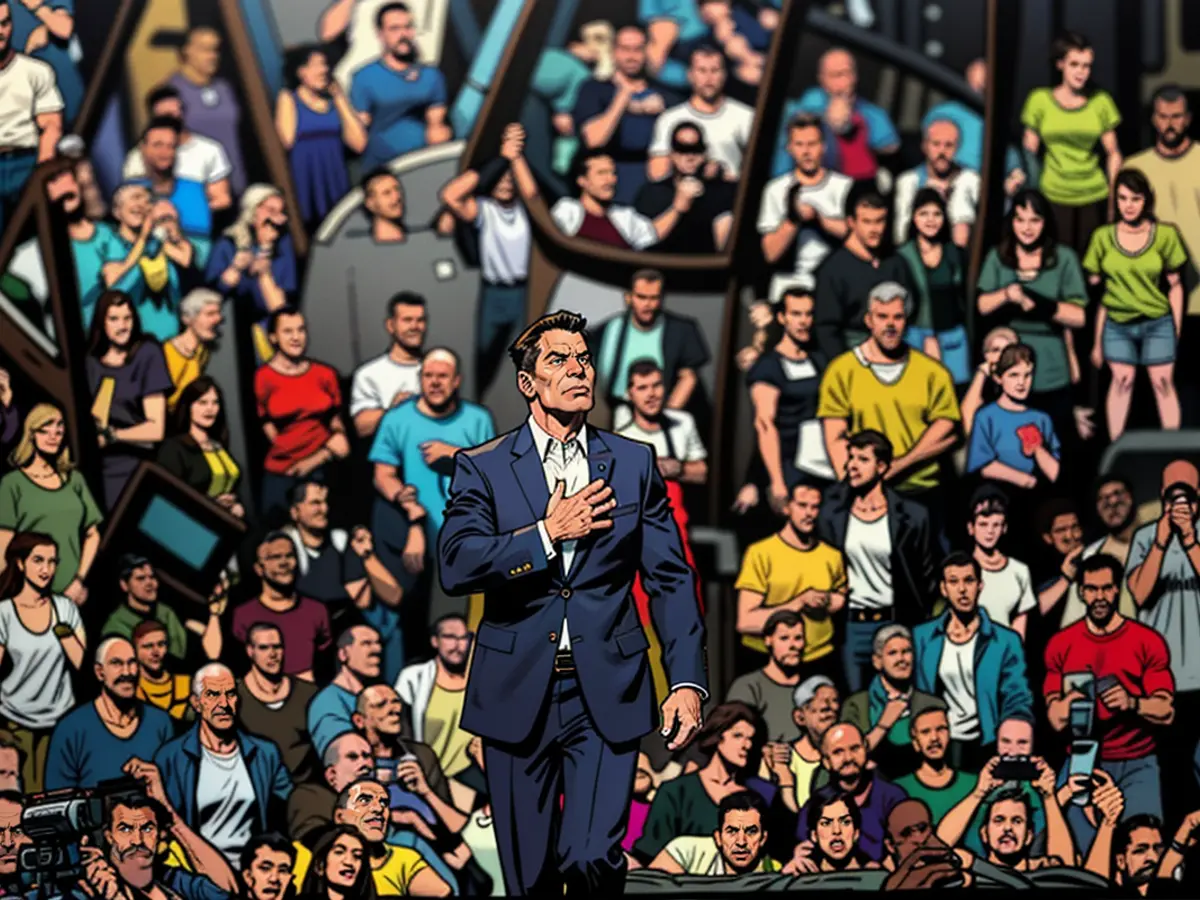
[(527, 469), (600, 465)]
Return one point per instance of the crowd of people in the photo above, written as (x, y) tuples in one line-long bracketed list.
[(962, 651)]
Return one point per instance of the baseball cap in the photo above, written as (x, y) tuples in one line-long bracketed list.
[(808, 688)]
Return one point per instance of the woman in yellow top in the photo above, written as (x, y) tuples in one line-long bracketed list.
[(1138, 323), (196, 453), (1067, 122)]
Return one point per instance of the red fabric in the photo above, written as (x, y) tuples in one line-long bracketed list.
[(305, 629), (1136, 655), (301, 407), (640, 598), (855, 153), (599, 228)]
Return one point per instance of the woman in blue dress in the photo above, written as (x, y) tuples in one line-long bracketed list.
[(317, 125)]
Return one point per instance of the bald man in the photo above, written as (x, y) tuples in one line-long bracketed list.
[(92, 742), (844, 764), (958, 185)]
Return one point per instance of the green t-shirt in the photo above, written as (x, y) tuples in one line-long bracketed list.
[(1063, 282), (940, 800), (1071, 170), (124, 619), (1133, 282), (64, 514)]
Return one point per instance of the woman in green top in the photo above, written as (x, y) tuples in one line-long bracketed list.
[(47, 494), (1068, 121), (1035, 285), (1138, 323)]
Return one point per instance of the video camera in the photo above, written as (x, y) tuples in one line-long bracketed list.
[(57, 821)]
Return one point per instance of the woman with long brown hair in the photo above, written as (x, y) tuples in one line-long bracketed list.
[(197, 451), (47, 494), (340, 868), (41, 634)]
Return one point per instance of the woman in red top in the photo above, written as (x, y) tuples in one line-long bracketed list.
[(298, 404)]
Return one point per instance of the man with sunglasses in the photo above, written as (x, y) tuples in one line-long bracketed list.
[(705, 226)]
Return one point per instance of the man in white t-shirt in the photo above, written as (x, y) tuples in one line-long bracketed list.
[(390, 379), (725, 122), (673, 434), (806, 206), (958, 186), (1007, 591), (197, 158)]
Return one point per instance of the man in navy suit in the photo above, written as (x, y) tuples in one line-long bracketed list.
[(553, 521)]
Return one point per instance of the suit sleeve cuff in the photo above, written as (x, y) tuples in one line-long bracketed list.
[(547, 544), (695, 687)]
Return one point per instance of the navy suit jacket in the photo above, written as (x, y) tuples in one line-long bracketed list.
[(490, 543)]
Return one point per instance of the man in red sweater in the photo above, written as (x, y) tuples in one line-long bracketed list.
[(1130, 680)]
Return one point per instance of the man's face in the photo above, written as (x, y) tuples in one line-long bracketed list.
[(10, 769), (896, 660), (1171, 121), (1065, 533), (133, 207), (217, 704), (132, 837), (398, 35), (645, 301), (203, 51), (381, 710), (741, 839), (363, 655), (940, 146), (440, 381), (158, 149), (932, 736), (687, 152), (886, 323), (819, 714), (277, 563), (599, 179), (39, 567), (836, 835), (647, 393), (385, 198), (265, 650), (806, 146), (563, 378), (868, 225), (207, 323), (1138, 864), (6, 28), (786, 645), (803, 509), (1014, 738), (313, 511), (269, 875), (1099, 592), (629, 52), (736, 743), (1114, 505), (355, 761), (908, 827), (960, 585), (452, 643), (118, 670), (796, 317), (290, 336), (706, 75), (838, 74), (987, 528), (844, 754), (142, 584), (366, 810), (1006, 832), (151, 652), (12, 837), (407, 326), (863, 468)]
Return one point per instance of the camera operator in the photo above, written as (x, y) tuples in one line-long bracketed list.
[(12, 839), (130, 870)]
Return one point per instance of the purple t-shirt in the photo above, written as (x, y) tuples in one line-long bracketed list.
[(214, 112), (305, 630)]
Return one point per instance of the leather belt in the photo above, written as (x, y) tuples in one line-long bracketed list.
[(871, 615), (17, 151), (564, 663)]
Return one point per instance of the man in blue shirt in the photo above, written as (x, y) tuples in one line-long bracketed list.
[(359, 655), (402, 103), (159, 149)]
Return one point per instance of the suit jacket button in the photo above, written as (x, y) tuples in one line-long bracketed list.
[(565, 593), (553, 636)]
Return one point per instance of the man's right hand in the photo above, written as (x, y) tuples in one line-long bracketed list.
[(577, 516), (987, 779), (1071, 562), (512, 142), (895, 708), (99, 877)]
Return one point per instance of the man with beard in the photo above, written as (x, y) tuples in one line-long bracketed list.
[(806, 205), (159, 148), (359, 656), (33, 116), (187, 353), (92, 743), (1007, 835), (768, 690), (887, 711), (223, 781), (432, 692), (266, 867), (887, 546), (706, 226), (303, 622), (794, 570), (851, 272), (395, 376), (959, 187), (397, 871), (402, 103), (310, 806), (975, 665), (617, 115), (273, 705), (12, 839), (1117, 512), (845, 770), (935, 782), (157, 686), (737, 847), (596, 216), (138, 580), (1133, 687)]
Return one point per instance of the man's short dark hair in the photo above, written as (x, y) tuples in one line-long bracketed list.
[(524, 351), (781, 618), (827, 796), (170, 123), (792, 293), (1099, 563), (159, 94), (939, 707), (272, 536), (742, 801), (379, 172), (1123, 835), (258, 628), (394, 6), (640, 368), (864, 193), (436, 628), (704, 50), (275, 317), (298, 492), (405, 298), (1112, 478), (1016, 794), (346, 637), (876, 442), (273, 841), (1170, 93), (957, 560), (583, 156), (654, 276), (1051, 510), (988, 500), (805, 120), (134, 802)]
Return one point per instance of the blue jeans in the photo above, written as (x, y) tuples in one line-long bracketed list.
[(500, 318), (857, 652), (1147, 342), (956, 353), (15, 171)]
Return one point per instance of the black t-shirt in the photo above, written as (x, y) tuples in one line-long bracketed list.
[(798, 384), (694, 231), (843, 284), (324, 576)]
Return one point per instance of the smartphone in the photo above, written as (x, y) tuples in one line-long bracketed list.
[(1082, 762), (1079, 681), (1105, 683), (1016, 768), (1079, 717)]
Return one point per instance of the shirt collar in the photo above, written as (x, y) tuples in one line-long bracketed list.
[(542, 440)]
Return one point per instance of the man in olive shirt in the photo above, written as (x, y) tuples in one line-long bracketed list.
[(139, 581), (769, 690)]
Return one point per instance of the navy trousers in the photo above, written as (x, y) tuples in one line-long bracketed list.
[(543, 848)]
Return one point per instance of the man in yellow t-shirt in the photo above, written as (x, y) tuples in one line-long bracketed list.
[(156, 685), (883, 385), (187, 353)]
